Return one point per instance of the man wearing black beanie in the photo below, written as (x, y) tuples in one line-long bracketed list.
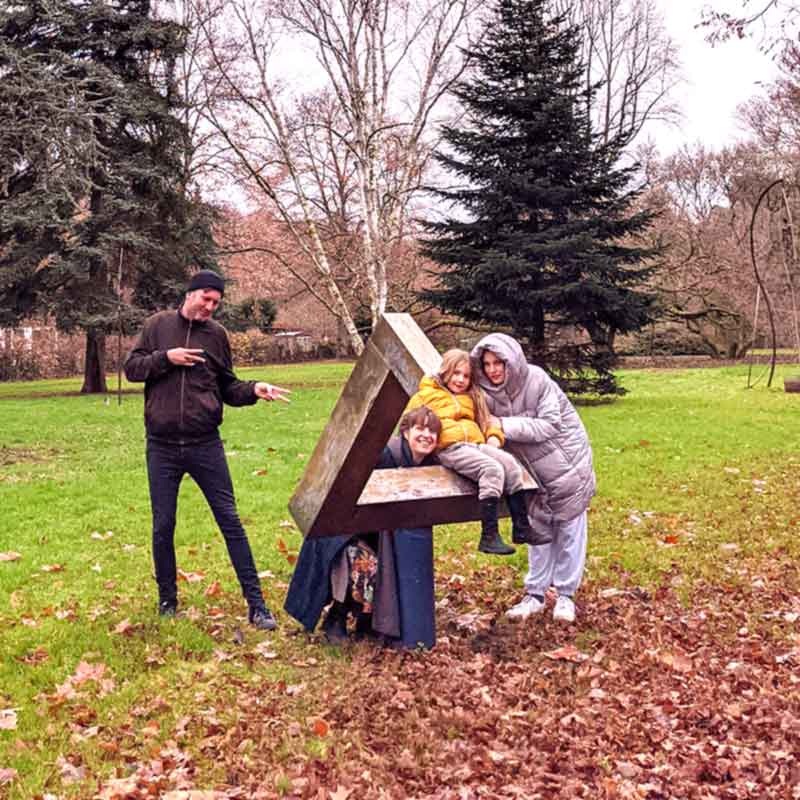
[(206, 279), (184, 359)]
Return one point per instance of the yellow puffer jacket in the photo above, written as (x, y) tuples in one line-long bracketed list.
[(456, 411)]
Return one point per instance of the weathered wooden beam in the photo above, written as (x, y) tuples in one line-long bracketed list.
[(412, 498), (339, 491), (396, 357)]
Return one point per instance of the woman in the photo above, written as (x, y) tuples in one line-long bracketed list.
[(543, 430), (384, 580)]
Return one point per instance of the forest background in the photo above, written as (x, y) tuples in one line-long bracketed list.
[(301, 161)]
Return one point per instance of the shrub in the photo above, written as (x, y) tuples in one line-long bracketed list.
[(253, 348), (672, 340), (249, 313), (46, 354)]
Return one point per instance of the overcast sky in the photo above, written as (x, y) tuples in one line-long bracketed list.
[(718, 78)]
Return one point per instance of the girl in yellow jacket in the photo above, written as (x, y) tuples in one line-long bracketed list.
[(470, 447)]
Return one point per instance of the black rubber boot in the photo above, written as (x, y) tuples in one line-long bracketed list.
[(364, 626), (491, 542), (334, 628), (521, 530)]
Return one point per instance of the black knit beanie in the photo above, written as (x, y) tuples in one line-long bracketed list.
[(206, 279)]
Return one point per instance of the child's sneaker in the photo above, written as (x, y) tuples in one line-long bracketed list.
[(527, 607), (564, 610)]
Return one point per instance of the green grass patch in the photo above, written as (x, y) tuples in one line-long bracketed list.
[(695, 475)]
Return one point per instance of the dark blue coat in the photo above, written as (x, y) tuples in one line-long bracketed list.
[(412, 550)]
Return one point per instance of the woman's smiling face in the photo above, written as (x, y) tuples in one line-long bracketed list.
[(421, 440)]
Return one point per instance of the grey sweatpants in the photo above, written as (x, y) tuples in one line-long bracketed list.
[(495, 471), (560, 563)]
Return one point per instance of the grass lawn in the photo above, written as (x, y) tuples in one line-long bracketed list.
[(697, 501)]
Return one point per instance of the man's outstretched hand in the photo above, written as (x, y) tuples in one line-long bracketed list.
[(266, 391)]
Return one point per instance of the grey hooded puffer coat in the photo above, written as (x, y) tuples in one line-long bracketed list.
[(542, 430)]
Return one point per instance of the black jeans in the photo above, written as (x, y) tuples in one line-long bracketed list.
[(206, 465)]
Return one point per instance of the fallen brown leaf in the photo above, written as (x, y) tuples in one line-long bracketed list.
[(677, 661), (7, 775), (190, 577), (567, 653), (37, 656), (70, 773), (88, 672), (124, 628), (8, 719), (264, 649)]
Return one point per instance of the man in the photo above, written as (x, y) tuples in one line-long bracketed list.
[(184, 359), (543, 430)]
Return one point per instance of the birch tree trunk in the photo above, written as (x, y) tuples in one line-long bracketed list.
[(344, 158)]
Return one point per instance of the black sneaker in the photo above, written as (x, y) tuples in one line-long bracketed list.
[(167, 608), (334, 626), (261, 618), (364, 629)]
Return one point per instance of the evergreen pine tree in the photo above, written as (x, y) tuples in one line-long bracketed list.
[(543, 232), (91, 175)]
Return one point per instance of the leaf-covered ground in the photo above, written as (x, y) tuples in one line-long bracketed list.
[(653, 694), (679, 680)]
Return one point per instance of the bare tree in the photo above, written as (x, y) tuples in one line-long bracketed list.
[(774, 121), (205, 168), (773, 22), (707, 283), (343, 159), (773, 117), (631, 56)]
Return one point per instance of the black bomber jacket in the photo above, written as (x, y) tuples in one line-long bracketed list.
[(184, 404)]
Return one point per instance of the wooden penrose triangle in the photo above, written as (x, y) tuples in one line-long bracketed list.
[(339, 492)]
